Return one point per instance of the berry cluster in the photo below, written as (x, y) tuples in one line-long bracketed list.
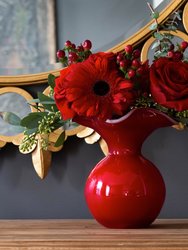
[(129, 62), (177, 54), (72, 54)]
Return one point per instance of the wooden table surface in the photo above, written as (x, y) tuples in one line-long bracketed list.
[(88, 234)]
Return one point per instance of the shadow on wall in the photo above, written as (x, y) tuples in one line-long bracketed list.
[(61, 195), (167, 148)]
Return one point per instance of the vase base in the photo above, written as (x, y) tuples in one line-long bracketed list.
[(125, 226)]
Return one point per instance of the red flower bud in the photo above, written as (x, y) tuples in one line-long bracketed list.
[(170, 54), (171, 47), (184, 45), (68, 43), (135, 63), (120, 57), (128, 49), (80, 48), (140, 70), (178, 56), (136, 53), (87, 45), (73, 56), (60, 54), (122, 64), (73, 46), (131, 73)]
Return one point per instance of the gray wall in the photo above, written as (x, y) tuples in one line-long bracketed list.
[(60, 195)]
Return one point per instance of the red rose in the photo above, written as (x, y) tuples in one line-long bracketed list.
[(169, 83)]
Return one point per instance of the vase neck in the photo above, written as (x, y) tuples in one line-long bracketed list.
[(127, 134)]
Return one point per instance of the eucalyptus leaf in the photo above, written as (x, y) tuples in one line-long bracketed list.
[(60, 140), (168, 36), (153, 26), (155, 15), (33, 101), (172, 27), (177, 14), (50, 105), (51, 80), (18, 129), (10, 118), (30, 131), (155, 44), (31, 121), (158, 36)]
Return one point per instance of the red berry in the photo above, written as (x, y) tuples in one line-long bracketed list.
[(125, 63), (73, 56), (136, 53), (73, 46), (135, 63), (140, 70), (87, 45), (68, 43), (60, 54), (171, 47), (80, 48), (128, 49), (170, 54), (120, 57), (184, 45), (122, 64), (178, 56), (131, 73)]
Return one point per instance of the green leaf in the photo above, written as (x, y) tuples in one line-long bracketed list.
[(60, 140), (10, 118), (172, 27), (168, 36), (155, 44), (51, 80), (158, 36), (177, 14), (31, 121), (30, 131), (155, 15), (47, 102), (33, 101), (153, 26)]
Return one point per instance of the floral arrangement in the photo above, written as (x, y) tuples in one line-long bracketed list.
[(109, 85)]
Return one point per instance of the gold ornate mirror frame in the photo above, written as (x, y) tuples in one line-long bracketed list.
[(41, 158)]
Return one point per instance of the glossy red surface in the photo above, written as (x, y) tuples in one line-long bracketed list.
[(125, 190)]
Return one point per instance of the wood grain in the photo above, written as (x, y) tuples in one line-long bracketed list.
[(88, 234)]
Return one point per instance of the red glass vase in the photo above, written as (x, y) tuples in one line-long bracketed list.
[(125, 190)]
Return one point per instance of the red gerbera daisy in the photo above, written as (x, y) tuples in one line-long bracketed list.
[(93, 88)]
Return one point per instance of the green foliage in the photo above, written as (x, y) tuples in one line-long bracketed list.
[(153, 26), (47, 102), (60, 140), (10, 118), (51, 81), (155, 15), (31, 121)]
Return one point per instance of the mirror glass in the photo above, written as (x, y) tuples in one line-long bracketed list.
[(27, 32), (12, 102), (105, 22), (27, 29)]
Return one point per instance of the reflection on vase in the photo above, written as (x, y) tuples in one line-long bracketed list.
[(125, 190)]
